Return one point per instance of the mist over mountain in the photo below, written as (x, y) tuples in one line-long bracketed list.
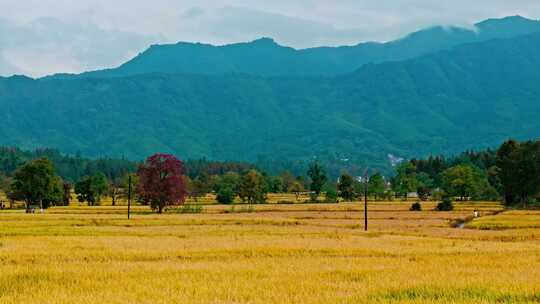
[(265, 57), (449, 97)]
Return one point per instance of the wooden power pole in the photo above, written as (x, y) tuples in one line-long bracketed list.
[(129, 196), (366, 181)]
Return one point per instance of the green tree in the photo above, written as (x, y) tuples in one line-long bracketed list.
[(529, 170), (252, 188), (494, 179), (518, 170), (66, 195), (318, 178), (57, 196), (287, 180), (376, 185), (405, 180), (507, 163), (227, 187), (230, 180), (424, 185), (346, 187), (4, 182), (460, 180), (91, 188), (297, 188), (225, 195), (84, 192), (36, 182), (274, 184), (100, 185), (200, 186)]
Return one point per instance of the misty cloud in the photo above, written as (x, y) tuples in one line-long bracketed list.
[(242, 24), (48, 45), (193, 12), (74, 36)]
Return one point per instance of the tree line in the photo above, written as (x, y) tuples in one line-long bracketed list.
[(163, 180), (510, 173), (73, 168)]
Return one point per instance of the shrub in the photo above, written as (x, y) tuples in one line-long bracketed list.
[(225, 195), (286, 202), (445, 205), (243, 209), (331, 196), (313, 197), (191, 209), (416, 207)]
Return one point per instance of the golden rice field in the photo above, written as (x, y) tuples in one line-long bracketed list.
[(275, 253)]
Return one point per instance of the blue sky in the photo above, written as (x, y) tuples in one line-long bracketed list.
[(40, 37)]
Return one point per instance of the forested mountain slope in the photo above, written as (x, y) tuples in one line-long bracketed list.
[(475, 95)]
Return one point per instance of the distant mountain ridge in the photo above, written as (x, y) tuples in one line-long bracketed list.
[(470, 96), (264, 57)]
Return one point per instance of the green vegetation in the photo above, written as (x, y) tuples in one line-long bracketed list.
[(445, 205), (416, 207), (225, 195), (331, 195), (91, 188), (519, 171), (439, 103), (227, 187), (405, 180), (346, 187), (377, 186), (37, 184), (190, 209), (486, 175), (230, 224), (512, 172), (463, 181), (318, 178), (70, 168), (252, 188)]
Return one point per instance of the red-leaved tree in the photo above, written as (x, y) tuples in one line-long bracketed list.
[(161, 183)]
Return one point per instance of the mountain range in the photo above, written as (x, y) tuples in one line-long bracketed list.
[(264, 57), (439, 90)]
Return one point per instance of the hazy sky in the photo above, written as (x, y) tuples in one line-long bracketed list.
[(39, 37)]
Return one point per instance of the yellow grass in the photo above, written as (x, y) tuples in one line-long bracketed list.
[(277, 253)]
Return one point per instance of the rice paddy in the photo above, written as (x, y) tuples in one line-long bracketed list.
[(273, 253)]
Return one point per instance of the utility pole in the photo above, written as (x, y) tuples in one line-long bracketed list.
[(129, 196), (366, 181)]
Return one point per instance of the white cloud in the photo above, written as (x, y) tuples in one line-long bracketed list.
[(47, 45), (230, 24), (87, 34)]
